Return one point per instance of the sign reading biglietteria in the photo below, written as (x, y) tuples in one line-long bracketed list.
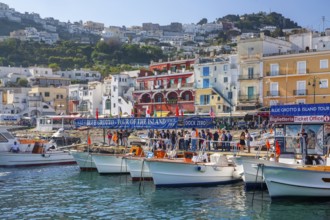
[(301, 110), (145, 123)]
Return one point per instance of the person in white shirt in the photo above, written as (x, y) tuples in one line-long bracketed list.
[(186, 141), (193, 140), (15, 147)]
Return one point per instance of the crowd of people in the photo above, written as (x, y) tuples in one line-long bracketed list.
[(195, 139)]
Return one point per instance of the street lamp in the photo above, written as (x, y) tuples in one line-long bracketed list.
[(230, 97), (314, 79)]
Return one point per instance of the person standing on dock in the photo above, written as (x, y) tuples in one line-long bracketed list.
[(193, 139), (248, 139)]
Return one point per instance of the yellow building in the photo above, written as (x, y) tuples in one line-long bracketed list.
[(208, 98), (44, 100), (296, 78)]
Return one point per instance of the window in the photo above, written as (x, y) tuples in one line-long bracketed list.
[(108, 104), (206, 71), (324, 83), (250, 72), (219, 107), (205, 99), (301, 101), (206, 83), (274, 89), (301, 67), (301, 88), (186, 97), (323, 64), (47, 94), (114, 105), (215, 68), (274, 69), (225, 79), (273, 102), (225, 67), (215, 80), (218, 98)]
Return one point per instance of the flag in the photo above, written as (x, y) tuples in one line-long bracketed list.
[(147, 112), (89, 141), (181, 112), (177, 111), (132, 113), (277, 148), (97, 114), (212, 113)]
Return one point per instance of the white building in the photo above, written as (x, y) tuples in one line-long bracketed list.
[(122, 87)]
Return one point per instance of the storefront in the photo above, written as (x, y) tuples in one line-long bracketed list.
[(289, 120)]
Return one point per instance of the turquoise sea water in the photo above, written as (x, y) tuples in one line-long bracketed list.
[(64, 192)]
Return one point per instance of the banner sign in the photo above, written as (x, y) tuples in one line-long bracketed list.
[(301, 110), (129, 123), (196, 122), (146, 123)]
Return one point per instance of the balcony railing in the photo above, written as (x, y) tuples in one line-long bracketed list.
[(248, 98), (273, 93), (300, 92), (249, 77), (165, 87)]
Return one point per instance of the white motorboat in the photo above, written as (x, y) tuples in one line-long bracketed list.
[(178, 172), (306, 181), (252, 174), (31, 152), (83, 159), (110, 163), (138, 169)]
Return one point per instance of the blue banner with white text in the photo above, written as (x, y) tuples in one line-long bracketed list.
[(301, 110), (146, 123), (129, 123)]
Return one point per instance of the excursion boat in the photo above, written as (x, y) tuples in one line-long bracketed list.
[(84, 160), (252, 174), (32, 152), (107, 163), (305, 181), (192, 172)]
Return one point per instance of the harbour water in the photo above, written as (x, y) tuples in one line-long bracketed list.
[(64, 192)]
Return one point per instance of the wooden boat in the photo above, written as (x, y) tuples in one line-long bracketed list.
[(305, 181), (192, 171)]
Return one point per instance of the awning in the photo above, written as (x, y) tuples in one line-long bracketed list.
[(162, 113)]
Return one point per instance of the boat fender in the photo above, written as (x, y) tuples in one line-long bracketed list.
[(201, 168)]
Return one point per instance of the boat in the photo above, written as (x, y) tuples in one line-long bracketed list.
[(83, 159), (192, 170), (252, 175), (305, 181), (32, 152), (109, 163)]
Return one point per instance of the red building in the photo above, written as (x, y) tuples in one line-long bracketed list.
[(173, 66), (163, 93)]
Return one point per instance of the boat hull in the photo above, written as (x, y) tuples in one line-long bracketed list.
[(8, 159), (253, 176), (295, 182), (169, 173), (109, 163), (138, 169), (84, 160)]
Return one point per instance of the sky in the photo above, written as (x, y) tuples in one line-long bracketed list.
[(135, 12)]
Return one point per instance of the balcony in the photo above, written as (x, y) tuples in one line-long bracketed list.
[(167, 87), (273, 93), (34, 98), (248, 98), (274, 73), (300, 92), (249, 77)]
